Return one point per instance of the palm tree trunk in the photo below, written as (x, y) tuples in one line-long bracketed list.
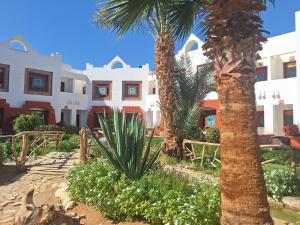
[(164, 68), (234, 36), (243, 190)]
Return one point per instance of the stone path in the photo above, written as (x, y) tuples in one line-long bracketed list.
[(41, 175)]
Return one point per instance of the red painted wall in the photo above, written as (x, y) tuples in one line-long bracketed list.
[(213, 104), (95, 109), (11, 113)]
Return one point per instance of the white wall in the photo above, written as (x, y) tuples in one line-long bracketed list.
[(18, 61), (276, 93), (117, 75)]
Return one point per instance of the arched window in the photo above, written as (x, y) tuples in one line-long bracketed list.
[(17, 45), (117, 65), (191, 46)]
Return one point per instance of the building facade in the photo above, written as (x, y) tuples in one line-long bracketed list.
[(278, 82), (35, 83), (43, 85)]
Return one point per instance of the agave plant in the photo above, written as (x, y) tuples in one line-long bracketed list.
[(125, 145)]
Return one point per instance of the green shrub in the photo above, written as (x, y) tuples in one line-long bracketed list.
[(213, 135), (280, 183), (71, 129), (50, 127), (7, 148), (159, 197), (2, 157), (124, 147), (202, 136), (268, 155), (27, 123)]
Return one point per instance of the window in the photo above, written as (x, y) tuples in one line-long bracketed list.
[(260, 119), (102, 90), (38, 82), (1, 118), (62, 86), (288, 117), (210, 121), (132, 90), (62, 117), (41, 113), (261, 73), (153, 91), (4, 77), (84, 90), (77, 120), (290, 69)]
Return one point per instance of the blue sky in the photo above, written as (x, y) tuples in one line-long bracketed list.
[(66, 26)]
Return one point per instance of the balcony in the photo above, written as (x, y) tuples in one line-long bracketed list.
[(73, 100)]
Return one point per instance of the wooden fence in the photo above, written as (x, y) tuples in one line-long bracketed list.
[(33, 140), (189, 150)]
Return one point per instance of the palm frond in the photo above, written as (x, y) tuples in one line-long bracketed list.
[(191, 87)]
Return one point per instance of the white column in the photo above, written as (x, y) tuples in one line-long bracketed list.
[(269, 118), (73, 117)]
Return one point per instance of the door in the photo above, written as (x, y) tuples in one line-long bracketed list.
[(77, 120), (1, 119)]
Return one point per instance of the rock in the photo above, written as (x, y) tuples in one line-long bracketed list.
[(54, 185), (71, 214), (29, 214), (16, 204), (27, 208), (70, 205), (292, 202)]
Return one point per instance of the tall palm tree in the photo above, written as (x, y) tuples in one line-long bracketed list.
[(234, 34), (191, 87), (122, 15)]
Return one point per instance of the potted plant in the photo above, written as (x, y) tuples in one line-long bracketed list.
[(292, 131)]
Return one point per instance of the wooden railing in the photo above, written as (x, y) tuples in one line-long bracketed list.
[(34, 140), (189, 150)]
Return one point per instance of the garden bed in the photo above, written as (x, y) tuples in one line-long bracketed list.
[(161, 196)]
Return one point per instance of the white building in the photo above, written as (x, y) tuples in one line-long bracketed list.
[(34, 83), (278, 82)]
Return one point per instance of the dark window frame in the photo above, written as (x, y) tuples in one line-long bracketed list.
[(259, 70), (96, 95), (5, 87), (30, 75), (125, 90), (285, 69), (260, 114)]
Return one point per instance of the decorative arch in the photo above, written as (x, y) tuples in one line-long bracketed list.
[(18, 45), (117, 65), (191, 46)]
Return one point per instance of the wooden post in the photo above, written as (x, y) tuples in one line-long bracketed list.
[(83, 145), (293, 162), (14, 147), (24, 148)]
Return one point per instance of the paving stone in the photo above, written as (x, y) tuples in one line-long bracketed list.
[(6, 220)]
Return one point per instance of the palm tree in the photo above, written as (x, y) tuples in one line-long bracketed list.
[(234, 34), (191, 87), (121, 15)]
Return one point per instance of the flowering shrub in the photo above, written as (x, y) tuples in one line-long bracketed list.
[(159, 197), (280, 183), (291, 130)]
